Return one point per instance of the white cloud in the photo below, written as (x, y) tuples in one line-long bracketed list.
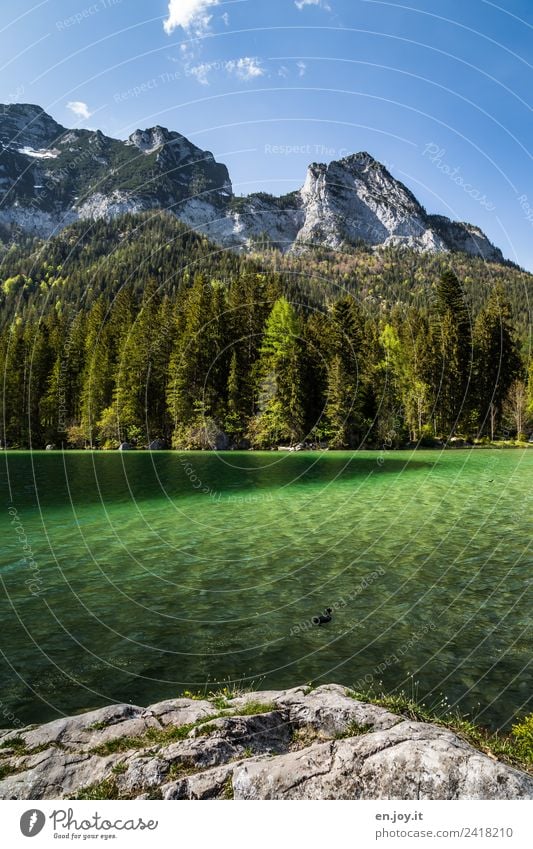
[(191, 15), (322, 3), (302, 68), (80, 109), (201, 72), (246, 68)]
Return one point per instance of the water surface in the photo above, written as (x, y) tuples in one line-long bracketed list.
[(157, 573)]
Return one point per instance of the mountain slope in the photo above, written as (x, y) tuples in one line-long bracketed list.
[(81, 262), (51, 177)]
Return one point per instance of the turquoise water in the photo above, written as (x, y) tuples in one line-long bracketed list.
[(147, 575)]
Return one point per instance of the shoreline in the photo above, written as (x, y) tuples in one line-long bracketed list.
[(493, 446), (326, 742)]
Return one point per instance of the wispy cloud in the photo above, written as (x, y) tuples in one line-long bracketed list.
[(200, 72), (79, 108), (245, 68), (302, 68), (300, 4), (190, 15)]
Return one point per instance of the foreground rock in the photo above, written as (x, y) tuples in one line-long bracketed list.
[(290, 744)]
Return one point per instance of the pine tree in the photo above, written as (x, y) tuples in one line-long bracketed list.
[(97, 377), (344, 422), (497, 361), (139, 396), (452, 350), (279, 379), (198, 365), (13, 390)]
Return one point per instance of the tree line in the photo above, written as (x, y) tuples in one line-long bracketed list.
[(240, 363)]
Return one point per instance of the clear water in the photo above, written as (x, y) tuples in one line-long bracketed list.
[(158, 573)]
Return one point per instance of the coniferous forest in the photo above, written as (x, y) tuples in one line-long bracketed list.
[(139, 331)]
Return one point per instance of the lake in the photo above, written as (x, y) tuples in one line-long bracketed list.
[(134, 577)]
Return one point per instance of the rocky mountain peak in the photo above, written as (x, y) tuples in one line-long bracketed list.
[(50, 176), (360, 161), (27, 125), (149, 140)]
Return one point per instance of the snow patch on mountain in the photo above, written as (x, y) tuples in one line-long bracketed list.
[(341, 204), (39, 154)]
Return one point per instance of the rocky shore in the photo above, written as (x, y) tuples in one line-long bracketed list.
[(293, 744)]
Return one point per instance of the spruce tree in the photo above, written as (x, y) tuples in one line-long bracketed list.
[(280, 399), (497, 361), (452, 352)]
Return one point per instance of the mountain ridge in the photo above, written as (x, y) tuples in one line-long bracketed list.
[(51, 176)]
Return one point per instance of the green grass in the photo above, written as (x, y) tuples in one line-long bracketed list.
[(155, 795), (106, 789), (174, 733), (153, 737), (251, 709), (353, 729), (207, 728), (197, 697), (182, 769), (220, 698), (515, 748), (98, 726), (522, 734), (227, 790), (5, 770), (14, 743), (119, 768)]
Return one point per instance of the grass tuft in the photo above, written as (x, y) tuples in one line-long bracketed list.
[(153, 737), (6, 770), (14, 743), (227, 791), (353, 729), (106, 789), (515, 748), (120, 768)]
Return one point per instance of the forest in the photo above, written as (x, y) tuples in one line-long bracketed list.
[(138, 330)]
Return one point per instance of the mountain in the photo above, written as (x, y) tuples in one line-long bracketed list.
[(51, 176)]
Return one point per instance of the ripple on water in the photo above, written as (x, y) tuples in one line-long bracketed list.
[(150, 588)]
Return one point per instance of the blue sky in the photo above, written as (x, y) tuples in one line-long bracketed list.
[(438, 90)]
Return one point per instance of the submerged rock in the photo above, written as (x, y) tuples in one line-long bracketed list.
[(275, 744)]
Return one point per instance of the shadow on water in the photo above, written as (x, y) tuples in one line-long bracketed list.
[(53, 478), (421, 555)]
